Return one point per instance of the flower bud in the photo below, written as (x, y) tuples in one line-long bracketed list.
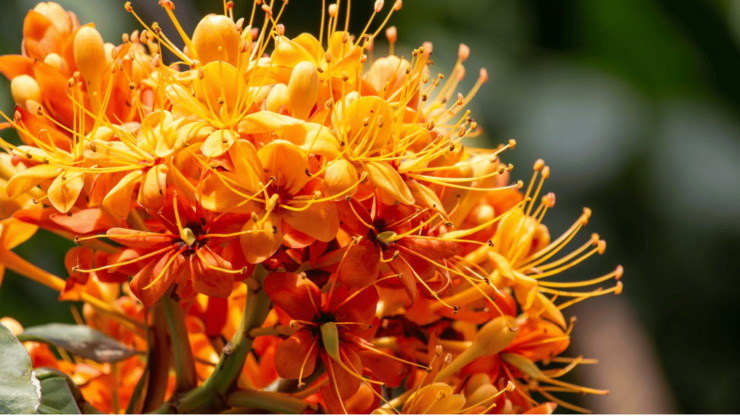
[(91, 60), (24, 88), (278, 98), (303, 89), (55, 61), (216, 38)]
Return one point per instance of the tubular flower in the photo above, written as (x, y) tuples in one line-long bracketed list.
[(281, 224)]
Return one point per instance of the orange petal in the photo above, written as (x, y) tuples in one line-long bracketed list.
[(297, 296), (86, 221), (339, 177), (360, 309), (14, 232), (247, 165), (208, 281), (384, 177), (14, 65), (362, 264), (118, 200), (219, 142), (340, 380), (65, 190), (292, 352), (149, 274), (23, 181), (140, 239), (266, 122), (435, 249), (320, 220), (153, 187), (262, 240), (287, 163)]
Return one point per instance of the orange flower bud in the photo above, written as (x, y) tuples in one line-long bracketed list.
[(303, 89), (23, 88), (91, 59), (216, 38)]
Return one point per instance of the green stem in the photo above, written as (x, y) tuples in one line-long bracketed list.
[(210, 397), (186, 378), (158, 360), (266, 400)]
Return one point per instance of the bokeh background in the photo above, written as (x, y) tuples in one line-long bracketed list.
[(635, 106)]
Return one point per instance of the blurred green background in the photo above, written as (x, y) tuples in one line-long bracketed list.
[(635, 106)]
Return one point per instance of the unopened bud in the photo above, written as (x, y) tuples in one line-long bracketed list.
[(24, 88), (214, 32), (303, 89)]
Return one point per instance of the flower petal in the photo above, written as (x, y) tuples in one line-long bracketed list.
[(292, 352), (118, 200), (294, 294), (320, 220), (65, 190), (361, 265), (384, 177), (262, 240)]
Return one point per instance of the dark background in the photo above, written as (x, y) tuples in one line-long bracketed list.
[(634, 105)]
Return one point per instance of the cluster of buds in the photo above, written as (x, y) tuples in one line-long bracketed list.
[(312, 204)]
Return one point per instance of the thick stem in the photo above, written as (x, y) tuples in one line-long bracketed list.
[(158, 360), (265, 400), (210, 397), (184, 364)]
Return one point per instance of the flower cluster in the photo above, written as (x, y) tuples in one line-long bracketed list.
[(313, 205)]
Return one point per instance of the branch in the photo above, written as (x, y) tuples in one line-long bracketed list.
[(186, 378)]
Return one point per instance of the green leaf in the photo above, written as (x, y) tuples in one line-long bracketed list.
[(79, 340), (19, 387), (55, 394), (59, 394)]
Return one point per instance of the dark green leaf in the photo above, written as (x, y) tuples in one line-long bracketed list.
[(55, 394), (79, 340), (19, 387)]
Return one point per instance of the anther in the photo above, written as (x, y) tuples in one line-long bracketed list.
[(128, 7), (267, 10), (519, 184), (378, 6), (618, 272), (490, 243)]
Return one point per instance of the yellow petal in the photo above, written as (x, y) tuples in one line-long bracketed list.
[(265, 122), (285, 162), (262, 240), (13, 232), (218, 143), (308, 42), (153, 187), (378, 115), (340, 176), (220, 85), (525, 290), (23, 181), (184, 104), (313, 139), (214, 196), (384, 177), (425, 196), (289, 54), (118, 200), (109, 154), (320, 220), (247, 165), (65, 190)]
